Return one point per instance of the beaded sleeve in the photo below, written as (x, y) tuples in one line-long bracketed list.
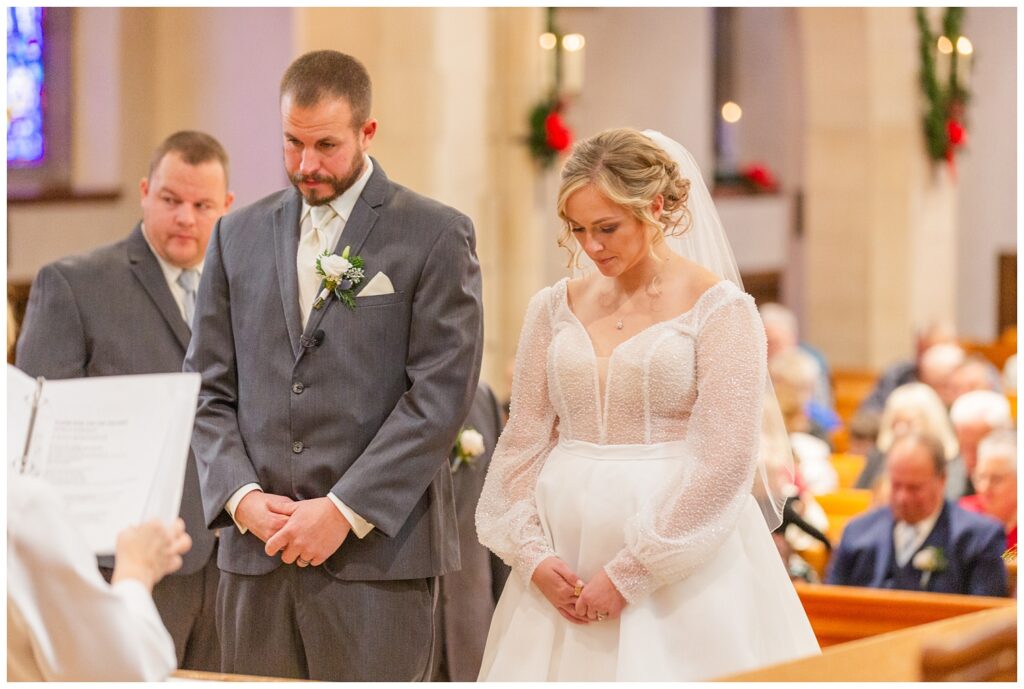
[(507, 521), (683, 525)]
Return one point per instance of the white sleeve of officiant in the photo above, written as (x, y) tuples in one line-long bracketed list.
[(360, 527)]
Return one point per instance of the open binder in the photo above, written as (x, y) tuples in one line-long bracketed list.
[(113, 448)]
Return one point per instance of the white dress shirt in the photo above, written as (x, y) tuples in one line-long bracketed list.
[(171, 273), (908, 538), (332, 232), (64, 622)]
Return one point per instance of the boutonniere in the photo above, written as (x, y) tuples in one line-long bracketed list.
[(341, 274), (468, 446), (928, 560)]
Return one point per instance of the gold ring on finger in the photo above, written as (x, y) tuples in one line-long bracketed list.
[(577, 590)]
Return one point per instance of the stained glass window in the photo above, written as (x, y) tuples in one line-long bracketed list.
[(26, 95)]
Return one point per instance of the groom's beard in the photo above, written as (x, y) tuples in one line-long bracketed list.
[(338, 186)]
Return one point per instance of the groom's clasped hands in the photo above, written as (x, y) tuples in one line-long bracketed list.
[(305, 532), (577, 601)]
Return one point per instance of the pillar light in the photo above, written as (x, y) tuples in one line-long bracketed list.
[(731, 112), (945, 45), (573, 42), (548, 41), (964, 46)]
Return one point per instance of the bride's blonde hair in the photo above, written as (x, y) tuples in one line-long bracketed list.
[(630, 170)]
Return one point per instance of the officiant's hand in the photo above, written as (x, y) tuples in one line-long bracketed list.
[(264, 513), (557, 582), (314, 531), (149, 551), (600, 599)]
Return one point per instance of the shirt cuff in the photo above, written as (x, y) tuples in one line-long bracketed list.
[(236, 497), (360, 527)]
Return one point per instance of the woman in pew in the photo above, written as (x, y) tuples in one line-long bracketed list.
[(913, 407), (64, 622), (995, 479)]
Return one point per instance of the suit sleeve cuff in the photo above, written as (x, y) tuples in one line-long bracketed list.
[(360, 527), (236, 497)]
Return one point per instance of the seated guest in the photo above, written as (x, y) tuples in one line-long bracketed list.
[(974, 416), (921, 542), (976, 373), (792, 373), (995, 478), (1010, 375), (469, 595), (780, 329), (904, 372), (64, 622), (937, 369), (911, 407), (863, 431)]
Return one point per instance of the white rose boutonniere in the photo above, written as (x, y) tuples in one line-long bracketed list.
[(928, 560), (341, 274), (468, 446)]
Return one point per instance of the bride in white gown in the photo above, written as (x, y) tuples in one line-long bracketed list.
[(621, 491)]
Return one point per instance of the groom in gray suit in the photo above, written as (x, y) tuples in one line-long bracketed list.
[(326, 417), (125, 309)]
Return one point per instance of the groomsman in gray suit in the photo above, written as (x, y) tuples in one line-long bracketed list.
[(468, 596), (326, 416), (125, 308)]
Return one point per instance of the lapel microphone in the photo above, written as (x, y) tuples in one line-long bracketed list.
[(312, 341)]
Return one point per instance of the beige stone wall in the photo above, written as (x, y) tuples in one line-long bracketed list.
[(880, 223)]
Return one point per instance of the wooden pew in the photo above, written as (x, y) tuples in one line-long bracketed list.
[(890, 657), (842, 506), (851, 386), (848, 468), (839, 614)]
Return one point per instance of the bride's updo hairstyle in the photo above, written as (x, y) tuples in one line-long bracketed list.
[(630, 170)]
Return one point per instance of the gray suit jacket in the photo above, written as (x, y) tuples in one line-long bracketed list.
[(370, 412), (110, 312), (468, 596)]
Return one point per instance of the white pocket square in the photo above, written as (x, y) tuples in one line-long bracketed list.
[(378, 284)]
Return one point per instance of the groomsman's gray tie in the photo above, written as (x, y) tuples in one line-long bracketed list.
[(189, 281)]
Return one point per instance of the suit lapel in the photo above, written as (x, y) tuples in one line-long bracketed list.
[(885, 555), (357, 229), (286, 245), (147, 271)]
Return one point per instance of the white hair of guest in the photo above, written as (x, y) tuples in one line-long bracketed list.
[(778, 315), (981, 406), (942, 359), (924, 404), (989, 373), (1001, 443)]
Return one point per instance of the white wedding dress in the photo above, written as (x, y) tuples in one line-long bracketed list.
[(642, 464)]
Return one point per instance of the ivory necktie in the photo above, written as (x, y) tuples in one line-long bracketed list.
[(311, 246), (189, 281), (909, 543)]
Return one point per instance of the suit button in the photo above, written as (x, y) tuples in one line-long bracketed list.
[(297, 388), (297, 446)]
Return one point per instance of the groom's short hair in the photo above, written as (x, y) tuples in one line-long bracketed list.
[(322, 73)]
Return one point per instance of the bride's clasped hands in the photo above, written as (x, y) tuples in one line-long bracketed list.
[(577, 601)]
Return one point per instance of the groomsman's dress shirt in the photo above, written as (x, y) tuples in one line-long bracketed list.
[(330, 234), (172, 275)]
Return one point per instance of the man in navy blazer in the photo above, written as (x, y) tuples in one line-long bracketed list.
[(921, 542)]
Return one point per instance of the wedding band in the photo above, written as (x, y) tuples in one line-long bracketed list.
[(302, 563), (577, 590), (601, 617)]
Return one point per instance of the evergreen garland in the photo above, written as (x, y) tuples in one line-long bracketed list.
[(944, 102)]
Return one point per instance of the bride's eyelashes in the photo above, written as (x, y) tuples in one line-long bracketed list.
[(603, 230)]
